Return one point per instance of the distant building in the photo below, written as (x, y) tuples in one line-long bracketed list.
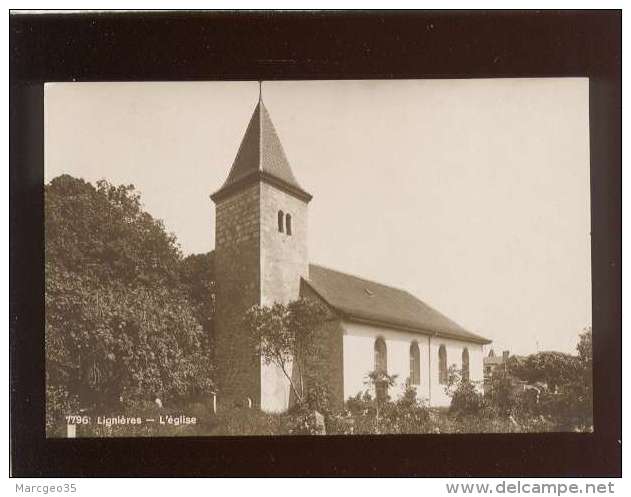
[(261, 258), (492, 362)]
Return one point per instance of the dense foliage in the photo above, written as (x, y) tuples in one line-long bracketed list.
[(120, 326), (501, 394), (552, 368), (564, 384), (540, 392), (197, 274), (466, 399), (365, 414)]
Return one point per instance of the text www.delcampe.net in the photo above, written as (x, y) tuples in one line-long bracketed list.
[(537, 488)]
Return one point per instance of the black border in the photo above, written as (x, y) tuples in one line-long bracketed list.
[(312, 45)]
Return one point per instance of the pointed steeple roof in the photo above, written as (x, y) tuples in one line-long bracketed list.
[(261, 156)]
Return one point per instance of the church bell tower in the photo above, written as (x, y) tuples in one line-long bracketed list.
[(260, 257)]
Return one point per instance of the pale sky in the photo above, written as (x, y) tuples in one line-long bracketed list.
[(471, 194)]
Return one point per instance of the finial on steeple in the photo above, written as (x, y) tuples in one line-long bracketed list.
[(260, 91)]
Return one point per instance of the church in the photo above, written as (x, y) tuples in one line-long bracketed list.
[(261, 257)]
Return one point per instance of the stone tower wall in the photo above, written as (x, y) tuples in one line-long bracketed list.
[(237, 267), (284, 260)]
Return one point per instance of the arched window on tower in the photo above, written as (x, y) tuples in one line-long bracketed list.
[(381, 366), (442, 365), (281, 220), (415, 364), (288, 223), (465, 364)]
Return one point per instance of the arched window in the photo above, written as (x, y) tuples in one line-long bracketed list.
[(381, 356), (381, 366), (415, 364), (442, 365), (288, 224), (281, 219), (465, 364)]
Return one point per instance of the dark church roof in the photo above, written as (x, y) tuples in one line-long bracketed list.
[(363, 300), (261, 156)]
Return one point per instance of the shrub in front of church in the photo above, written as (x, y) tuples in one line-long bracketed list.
[(317, 397), (119, 326), (405, 415), (309, 416), (466, 400), (287, 336), (500, 395), (357, 418), (365, 415)]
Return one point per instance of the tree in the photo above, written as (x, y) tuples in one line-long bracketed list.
[(287, 336), (119, 325), (568, 399), (104, 233), (552, 368), (580, 391), (197, 274), (584, 349)]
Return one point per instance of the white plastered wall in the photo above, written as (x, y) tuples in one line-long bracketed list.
[(358, 343)]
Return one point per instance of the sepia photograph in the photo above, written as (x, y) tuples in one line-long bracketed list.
[(317, 257), (314, 243)]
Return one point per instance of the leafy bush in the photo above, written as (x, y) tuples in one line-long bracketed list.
[(405, 415), (358, 417), (317, 397), (466, 399), (240, 421), (487, 421), (464, 394), (364, 414), (500, 393)]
